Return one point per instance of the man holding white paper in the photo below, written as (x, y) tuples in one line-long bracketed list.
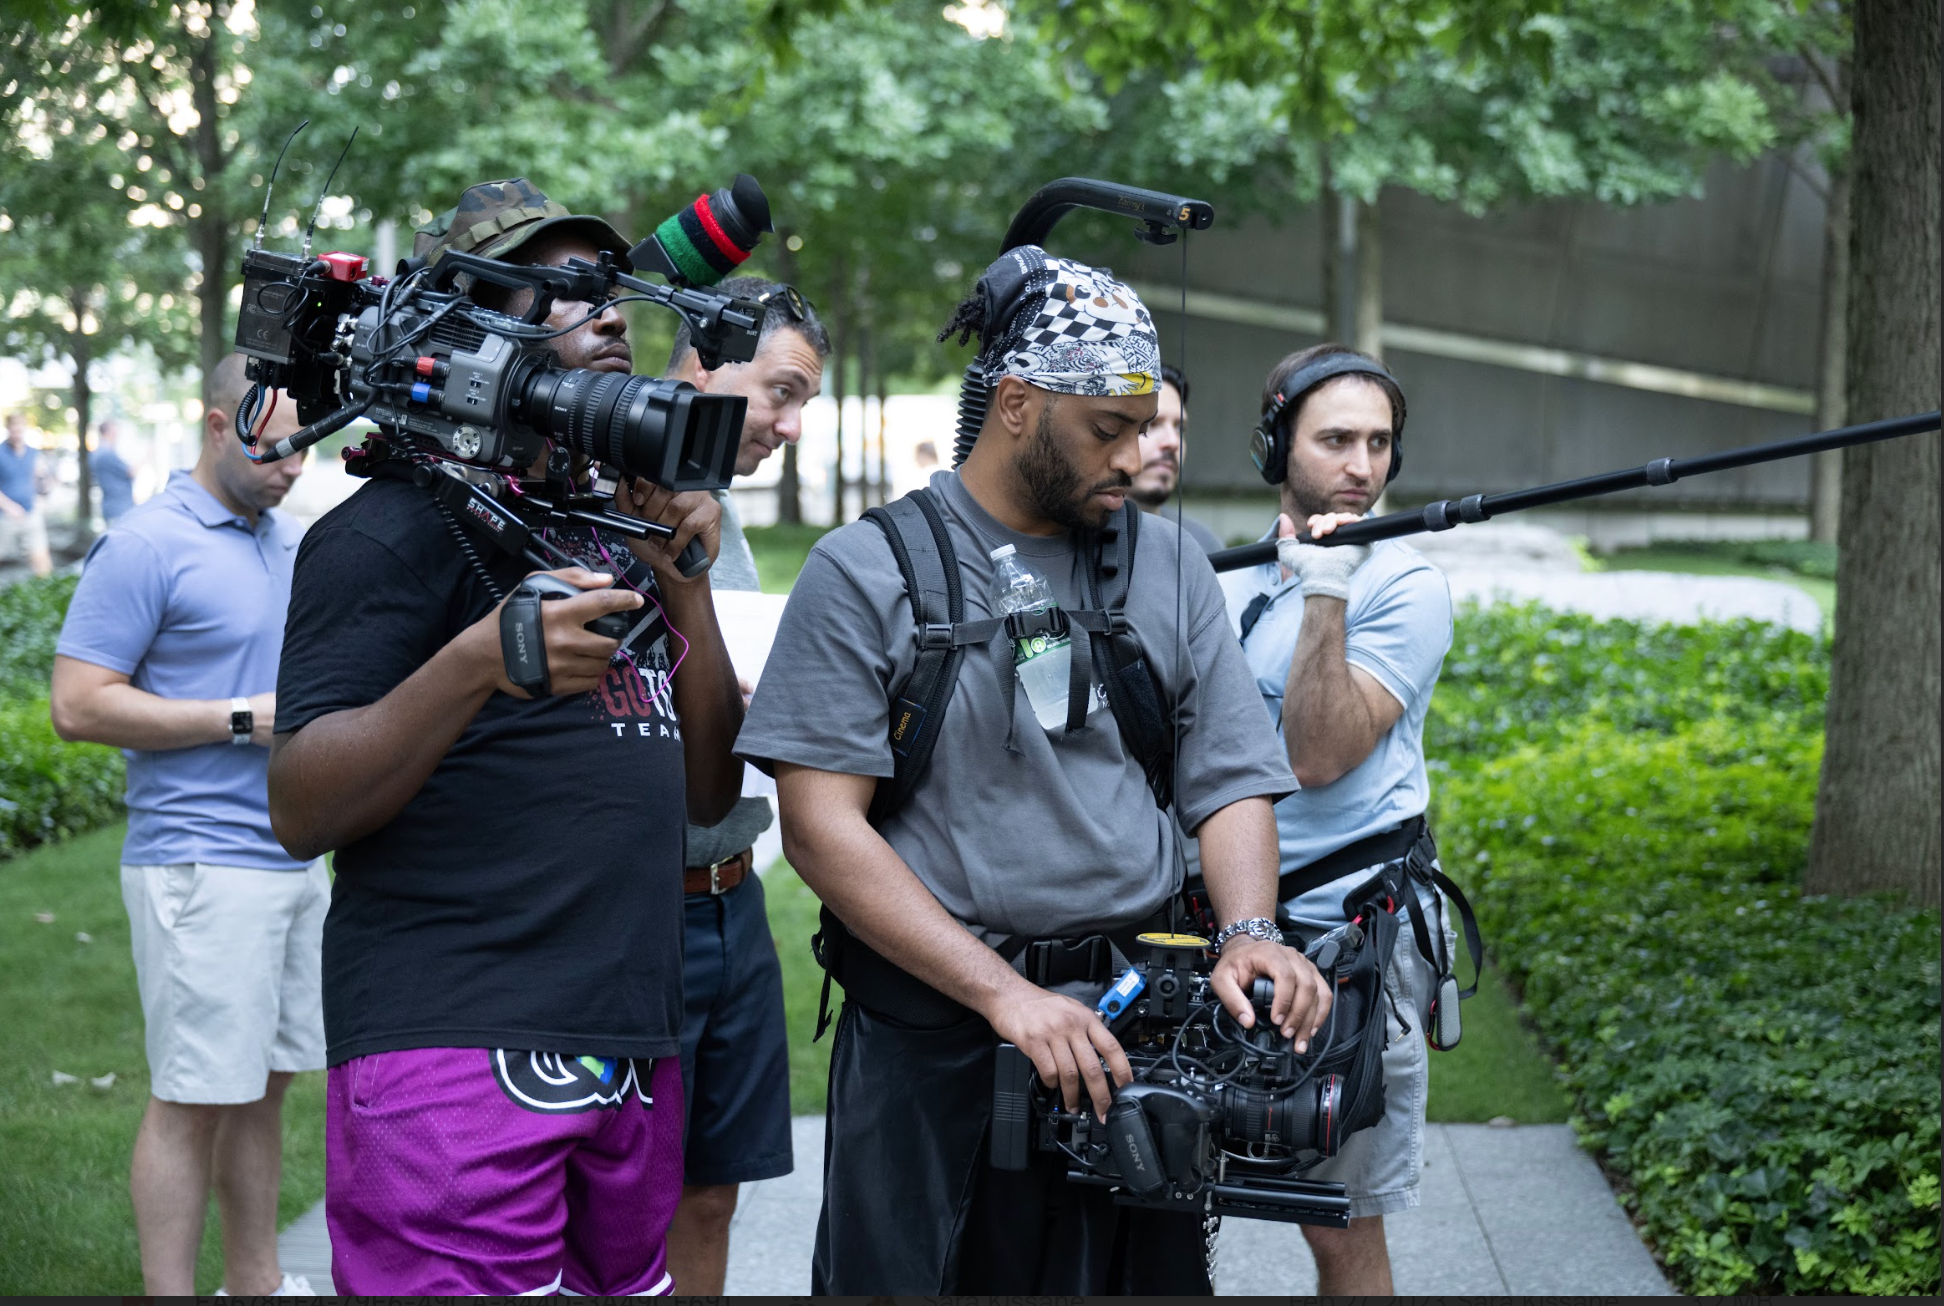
[(735, 1057)]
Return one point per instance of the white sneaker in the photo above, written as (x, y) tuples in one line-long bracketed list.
[(293, 1285)]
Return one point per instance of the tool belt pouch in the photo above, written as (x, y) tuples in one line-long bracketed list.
[(889, 991), (875, 984), (1355, 1050), (1396, 886)]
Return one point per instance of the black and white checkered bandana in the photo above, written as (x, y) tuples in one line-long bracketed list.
[(1066, 327)]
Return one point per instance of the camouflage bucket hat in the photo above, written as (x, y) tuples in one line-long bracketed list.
[(495, 218)]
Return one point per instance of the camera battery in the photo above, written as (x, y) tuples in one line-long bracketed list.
[(1012, 1108)]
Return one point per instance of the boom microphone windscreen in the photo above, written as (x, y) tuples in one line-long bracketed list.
[(710, 238)]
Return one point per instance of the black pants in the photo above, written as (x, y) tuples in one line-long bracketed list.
[(912, 1206)]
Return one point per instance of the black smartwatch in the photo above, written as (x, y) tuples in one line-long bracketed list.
[(242, 721)]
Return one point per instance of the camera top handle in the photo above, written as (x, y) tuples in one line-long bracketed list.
[(1156, 212)]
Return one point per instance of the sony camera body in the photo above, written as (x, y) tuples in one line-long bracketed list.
[(1219, 1119)]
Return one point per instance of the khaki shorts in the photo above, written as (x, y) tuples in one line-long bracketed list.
[(1379, 1166), (229, 961), (22, 537)]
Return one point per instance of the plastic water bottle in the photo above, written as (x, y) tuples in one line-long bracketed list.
[(1040, 661)]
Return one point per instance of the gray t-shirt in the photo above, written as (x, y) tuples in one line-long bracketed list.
[(1195, 530), (1062, 836), (735, 569)]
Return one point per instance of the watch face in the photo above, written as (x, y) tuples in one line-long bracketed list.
[(242, 723)]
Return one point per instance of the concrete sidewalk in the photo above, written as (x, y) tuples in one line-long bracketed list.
[(1515, 1211)]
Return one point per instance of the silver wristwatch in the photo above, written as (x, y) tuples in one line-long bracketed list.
[(242, 721), (1256, 927)]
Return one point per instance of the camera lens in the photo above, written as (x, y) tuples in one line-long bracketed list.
[(666, 431), (1308, 1118)]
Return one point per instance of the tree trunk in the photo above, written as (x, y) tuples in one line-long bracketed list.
[(1370, 282), (1330, 224), (789, 484), (81, 351), (789, 489), (884, 464), (1832, 392), (866, 479), (210, 231), (840, 340), (1876, 809)]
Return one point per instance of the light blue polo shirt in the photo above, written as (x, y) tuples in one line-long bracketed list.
[(17, 472), (187, 600), (1398, 628)]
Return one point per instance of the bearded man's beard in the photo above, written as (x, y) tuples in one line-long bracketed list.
[(1310, 498), (1054, 485)]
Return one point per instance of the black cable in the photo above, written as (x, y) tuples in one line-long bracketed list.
[(466, 547), (1181, 529)]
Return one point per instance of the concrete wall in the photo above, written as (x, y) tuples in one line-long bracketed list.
[(1727, 287)]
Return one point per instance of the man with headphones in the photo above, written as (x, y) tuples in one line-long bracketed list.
[(1346, 643)]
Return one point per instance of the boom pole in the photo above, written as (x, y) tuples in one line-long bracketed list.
[(1447, 513)]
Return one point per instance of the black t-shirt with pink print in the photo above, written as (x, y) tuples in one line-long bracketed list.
[(530, 894)]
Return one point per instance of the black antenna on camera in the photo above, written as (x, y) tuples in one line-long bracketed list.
[(271, 185), (325, 192)]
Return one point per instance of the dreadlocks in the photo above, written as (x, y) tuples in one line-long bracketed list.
[(968, 319)]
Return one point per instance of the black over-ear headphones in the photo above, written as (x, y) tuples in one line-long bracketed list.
[(1269, 442)]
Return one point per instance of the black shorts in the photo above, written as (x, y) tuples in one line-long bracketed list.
[(735, 1056)]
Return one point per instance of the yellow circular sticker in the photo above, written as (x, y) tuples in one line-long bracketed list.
[(1172, 940)]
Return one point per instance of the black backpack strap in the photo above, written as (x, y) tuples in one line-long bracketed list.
[(1140, 705), (930, 569)]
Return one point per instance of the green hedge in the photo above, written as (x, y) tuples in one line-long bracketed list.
[(1521, 675), (31, 612), (1631, 807), (49, 788)]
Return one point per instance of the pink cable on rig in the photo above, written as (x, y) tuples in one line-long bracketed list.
[(621, 577)]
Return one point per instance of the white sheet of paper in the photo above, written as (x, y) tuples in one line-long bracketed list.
[(749, 620)]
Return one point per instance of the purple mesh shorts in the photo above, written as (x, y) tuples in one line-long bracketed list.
[(461, 1170)]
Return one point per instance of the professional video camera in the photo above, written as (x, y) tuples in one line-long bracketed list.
[(1219, 1119), (448, 380)]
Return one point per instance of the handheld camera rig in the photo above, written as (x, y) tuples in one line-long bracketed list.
[(449, 381), (1219, 1120)]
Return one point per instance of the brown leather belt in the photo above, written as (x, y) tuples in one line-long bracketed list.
[(719, 877)]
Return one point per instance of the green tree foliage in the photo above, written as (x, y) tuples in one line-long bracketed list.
[(166, 85), (897, 146), (85, 259), (1481, 105)]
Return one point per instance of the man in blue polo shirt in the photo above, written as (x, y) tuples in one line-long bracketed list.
[(23, 479), (170, 652), (111, 472), (1346, 643)]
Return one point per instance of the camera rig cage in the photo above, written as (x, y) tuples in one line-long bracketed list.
[(452, 384), (1219, 1119)]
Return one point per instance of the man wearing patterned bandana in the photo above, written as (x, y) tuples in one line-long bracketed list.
[(1013, 835)]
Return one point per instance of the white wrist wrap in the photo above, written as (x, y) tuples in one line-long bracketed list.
[(1324, 571)]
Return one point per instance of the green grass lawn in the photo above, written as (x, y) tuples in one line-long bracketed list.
[(70, 1006), (1496, 1069), (65, 1223), (780, 551)]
